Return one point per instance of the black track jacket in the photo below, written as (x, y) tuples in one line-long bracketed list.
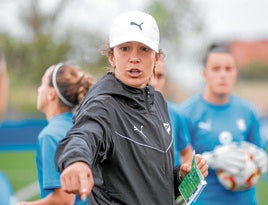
[(124, 135)]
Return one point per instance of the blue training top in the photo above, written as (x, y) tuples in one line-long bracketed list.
[(211, 125), (179, 131), (48, 139)]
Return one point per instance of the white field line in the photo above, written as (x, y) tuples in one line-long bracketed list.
[(28, 192)]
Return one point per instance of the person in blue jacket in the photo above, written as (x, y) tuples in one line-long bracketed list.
[(217, 122), (62, 88)]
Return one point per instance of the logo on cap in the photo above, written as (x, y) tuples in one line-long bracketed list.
[(135, 24)]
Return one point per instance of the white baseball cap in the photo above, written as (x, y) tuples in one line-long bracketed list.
[(134, 26)]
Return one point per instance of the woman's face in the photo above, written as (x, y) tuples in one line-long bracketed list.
[(133, 63), (43, 91)]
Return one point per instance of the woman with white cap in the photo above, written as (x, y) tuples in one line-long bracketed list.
[(120, 150)]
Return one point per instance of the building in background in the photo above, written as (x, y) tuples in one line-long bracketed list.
[(252, 60), (250, 52)]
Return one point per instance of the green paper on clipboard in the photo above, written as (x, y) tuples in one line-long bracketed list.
[(192, 184)]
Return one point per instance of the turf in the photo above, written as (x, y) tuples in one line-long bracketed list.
[(262, 188), (19, 168)]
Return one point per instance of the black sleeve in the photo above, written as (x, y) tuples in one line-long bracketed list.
[(88, 140), (177, 181)]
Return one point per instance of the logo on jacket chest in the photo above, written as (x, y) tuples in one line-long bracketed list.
[(136, 129), (167, 127), (139, 129)]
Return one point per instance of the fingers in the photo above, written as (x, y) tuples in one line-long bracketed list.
[(66, 181), (258, 154), (184, 169), (77, 179), (86, 184), (260, 159), (84, 189), (202, 165), (233, 170)]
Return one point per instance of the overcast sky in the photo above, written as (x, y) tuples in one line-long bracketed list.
[(241, 18), (224, 19)]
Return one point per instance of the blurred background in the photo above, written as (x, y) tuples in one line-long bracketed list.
[(35, 34)]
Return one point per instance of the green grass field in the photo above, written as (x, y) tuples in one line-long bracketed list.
[(19, 167)]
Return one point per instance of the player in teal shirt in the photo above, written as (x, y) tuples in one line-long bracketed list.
[(181, 143), (217, 118), (48, 139), (62, 88)]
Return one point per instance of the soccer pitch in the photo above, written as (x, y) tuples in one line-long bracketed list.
[(20, 169)]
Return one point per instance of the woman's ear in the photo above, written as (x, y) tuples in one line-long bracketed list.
[(52, 94), (111, 59), (157, 58)]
